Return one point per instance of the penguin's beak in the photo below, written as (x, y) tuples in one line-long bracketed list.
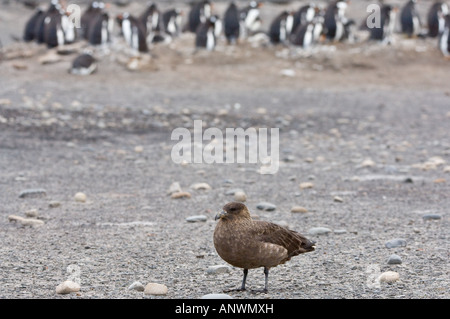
[(221, 215)]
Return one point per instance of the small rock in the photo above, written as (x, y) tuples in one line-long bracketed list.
[(233, 191), (31, 213), (136, 286), (139, 149), (268, 207), (306, 185), (394, 260), (216, 296), (394, 243), (439, 180), (33, 193), (319, 231), (340, 231), (174, 188), (201, 186), (298, 209), (240, 196), (26, 221), (217, 269), (389, 277), (54, 204), (338, 199), (367, 163), (408, 180), (181, 195), (67, 287), (196, 218), (155, 289), (80, 197), (431, 217), (446, 169)]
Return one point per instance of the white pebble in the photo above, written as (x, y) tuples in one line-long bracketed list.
[(155, 289), (67, 287), (80, 197), (240, 196), (389, 277), (136, 286), (26, 221), (201, 186)]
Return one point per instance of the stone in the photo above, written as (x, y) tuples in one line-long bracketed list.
[(136, 286), (67, 287), (439, 180), (181, 195), (298, 209), (33, 193), (338, 199), (217, 269), (196, 218), (216, 296), (319, 230), (394, 260), (306, 185), (431, 217), (139, 149), (201, 186), (394, 243), (80, 197), (31, 213), (155, 289), (389, 277), (25, 221), (266, 206), (54, 204), (240, 196), (174, 188), (367, 163), (233, 191)]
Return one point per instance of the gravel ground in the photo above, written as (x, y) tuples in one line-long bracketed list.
[(366, 125)]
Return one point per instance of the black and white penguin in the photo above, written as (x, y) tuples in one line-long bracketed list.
[(250, 17), (172, 22), (53, 29), (89, 16), (335, 21), (410, 20), (281, 27), (151, 19), (387, 24), (206, 35), (436, 18), (444, 39), (231, 24), (53, 8), (304, 15), (309, 33), (30, 27), (200, 12), (133, 32), (84, 64), (100, 30)]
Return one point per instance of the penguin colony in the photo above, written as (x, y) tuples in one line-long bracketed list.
[(311, 24)]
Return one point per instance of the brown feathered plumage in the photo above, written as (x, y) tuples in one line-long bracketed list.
[(247, 243)]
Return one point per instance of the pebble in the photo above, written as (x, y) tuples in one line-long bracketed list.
[(233, 191), (67, 287), (306, 185), (181, 195), (196, 218), (340, 231), (80, 197), (32, 193), (54, 204), (155, 289), (26, 221), (139, 149), (394, 243), (240, 196), (338, 199), (31, 213), (389, 277), (319, 230), (394, 259), (201, 186), (216, 296), (217, 269), (431, 217), (268, 207), (174, 188), (136, 286), (367, 163), (298, 209)]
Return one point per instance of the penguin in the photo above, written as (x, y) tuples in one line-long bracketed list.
[(304, 15), (199, 13), (133, 32), (387, 24), (206, 35), (410, 20), (84, 64), (172, 22), (308, 34), (335, 22), (281, 28), (30, 27), (231, 24), (151, 19), (444, 39), (250, 18), (89, 16), (53, 8), (53, 29), (436, 18), (100, 29)]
